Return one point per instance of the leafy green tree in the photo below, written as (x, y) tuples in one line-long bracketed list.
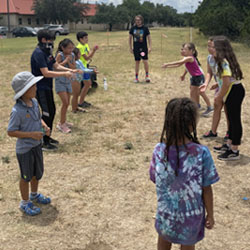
[(59, 11), (106, 14), (166, 15), (223, 17)]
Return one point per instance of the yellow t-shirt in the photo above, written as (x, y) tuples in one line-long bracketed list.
[(84, 49), (227, 72)]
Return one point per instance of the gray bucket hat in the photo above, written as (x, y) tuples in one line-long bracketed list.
[(22, 81)]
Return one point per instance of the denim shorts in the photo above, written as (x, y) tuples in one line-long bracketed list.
[(31, 163), (197, 80), (86, 76), (61, 86)]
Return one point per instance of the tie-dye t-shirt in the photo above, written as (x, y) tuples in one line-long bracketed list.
[(180, 216)]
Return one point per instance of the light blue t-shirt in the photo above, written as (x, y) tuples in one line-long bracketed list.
[(26, 119), (79, 65)]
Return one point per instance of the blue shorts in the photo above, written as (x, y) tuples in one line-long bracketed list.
[(86, 76), (61, 86)]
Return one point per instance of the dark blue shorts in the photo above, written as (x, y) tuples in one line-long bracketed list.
[(86, 76), (31, 163), (197, 80)]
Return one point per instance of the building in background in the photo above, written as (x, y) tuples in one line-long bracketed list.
[(21, 14)]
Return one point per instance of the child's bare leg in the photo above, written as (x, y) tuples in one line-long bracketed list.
[(216, 116), (225, 109), (24, 189), (205, 98), (163, 244), (76, 88), (146, 67), (194, 94), (34, 184), (137, 66), (87, 84), (187, 247), (65, 103)]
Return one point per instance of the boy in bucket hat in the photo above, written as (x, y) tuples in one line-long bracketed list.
[(25, 123)]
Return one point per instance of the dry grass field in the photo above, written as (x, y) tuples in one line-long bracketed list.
[(98, 180)]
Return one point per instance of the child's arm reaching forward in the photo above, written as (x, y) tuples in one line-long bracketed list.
[(178, 63), (208, 201)]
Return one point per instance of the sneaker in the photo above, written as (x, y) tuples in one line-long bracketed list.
[(48, 147), (69, 124), (229, 155), (30, 209), (136, 80), (84, 105), (221, 149), (226, 136), (53, 141), (147, 79), (209, 134), (63, 128), (207, 112), (39, 198)]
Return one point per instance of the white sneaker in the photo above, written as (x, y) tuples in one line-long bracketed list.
[(136, 81), (63, 128), (147, 79)]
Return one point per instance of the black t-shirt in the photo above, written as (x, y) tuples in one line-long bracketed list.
[(40, 59), (139, 36)]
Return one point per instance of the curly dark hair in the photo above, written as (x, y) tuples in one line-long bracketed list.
[(224, 51), (180, 123)]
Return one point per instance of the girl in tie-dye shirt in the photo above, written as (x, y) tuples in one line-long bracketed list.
[(183, 171)]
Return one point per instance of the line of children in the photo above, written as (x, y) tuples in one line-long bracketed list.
[(192, 65)]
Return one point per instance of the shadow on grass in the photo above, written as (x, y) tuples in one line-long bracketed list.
[(244, 160), (98, 246), (47, 217)]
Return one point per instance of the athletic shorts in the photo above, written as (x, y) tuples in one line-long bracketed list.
[(197, 80), (31, 163), (140, 53), (63, 87), (86, 76)]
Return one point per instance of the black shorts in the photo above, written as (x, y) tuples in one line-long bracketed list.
[(31, 163), (140, 53), (197, 80)]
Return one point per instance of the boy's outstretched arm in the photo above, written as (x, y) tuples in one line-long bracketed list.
[(208, 201)]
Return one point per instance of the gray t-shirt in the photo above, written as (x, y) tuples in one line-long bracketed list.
[(26, 119)]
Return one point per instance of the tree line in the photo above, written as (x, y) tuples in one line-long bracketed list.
[(213, 17)]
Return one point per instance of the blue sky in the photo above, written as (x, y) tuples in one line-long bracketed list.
[(180, 5)]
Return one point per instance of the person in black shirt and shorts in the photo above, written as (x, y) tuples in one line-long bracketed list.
[(141, 36)]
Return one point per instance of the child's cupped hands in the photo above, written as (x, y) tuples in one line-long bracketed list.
[(209, 222)]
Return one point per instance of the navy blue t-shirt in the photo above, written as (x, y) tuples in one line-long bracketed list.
[(139, 36), (40, 59)]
